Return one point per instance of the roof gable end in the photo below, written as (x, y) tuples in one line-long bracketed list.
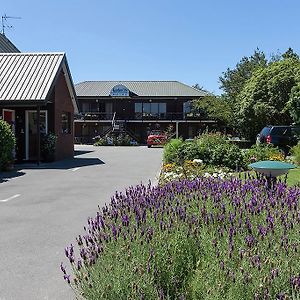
[(28, 76), (6, 46)]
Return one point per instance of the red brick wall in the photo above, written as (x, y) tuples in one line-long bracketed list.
[(63, 103)]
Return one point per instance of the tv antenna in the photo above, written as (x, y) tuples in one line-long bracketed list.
[(5, 24)]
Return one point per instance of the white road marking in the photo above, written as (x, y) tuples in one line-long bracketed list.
[(74, 169), (11, 198)]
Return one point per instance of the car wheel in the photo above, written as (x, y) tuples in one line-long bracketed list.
[(149, 146)]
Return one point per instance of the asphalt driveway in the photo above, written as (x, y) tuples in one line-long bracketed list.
[(43, 209)]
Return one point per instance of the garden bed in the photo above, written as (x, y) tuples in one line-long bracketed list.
[(207, 238)]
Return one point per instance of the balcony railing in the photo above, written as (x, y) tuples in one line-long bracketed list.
[(94, 116), (172, 116), (167, 116)]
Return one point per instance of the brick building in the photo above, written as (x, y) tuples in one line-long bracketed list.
[(37, 97)]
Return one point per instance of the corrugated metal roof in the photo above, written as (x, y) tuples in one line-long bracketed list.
[(140, 88), (6, 46), (28, 76)]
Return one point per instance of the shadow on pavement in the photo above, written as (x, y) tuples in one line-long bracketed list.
[(80, 152), (5, 176), (75, 162)]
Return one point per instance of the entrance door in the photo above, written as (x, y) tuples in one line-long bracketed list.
[(9, 117), (31, 132)]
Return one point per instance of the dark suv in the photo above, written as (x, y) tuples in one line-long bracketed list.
[(284, 137)]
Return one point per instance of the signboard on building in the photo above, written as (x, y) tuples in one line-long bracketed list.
[(119, 91)]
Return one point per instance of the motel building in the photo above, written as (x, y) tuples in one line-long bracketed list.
[(137, 108)]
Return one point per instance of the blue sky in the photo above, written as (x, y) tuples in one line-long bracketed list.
[(190, 41)]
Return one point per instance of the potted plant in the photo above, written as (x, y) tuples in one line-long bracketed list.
[(48, 146)]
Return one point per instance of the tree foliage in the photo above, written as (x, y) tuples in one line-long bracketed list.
[(293, 104), (234, 80), (257, 92), (270, 96), (262, 91), (215, 108)]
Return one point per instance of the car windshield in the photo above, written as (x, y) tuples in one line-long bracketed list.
[(156, 132)]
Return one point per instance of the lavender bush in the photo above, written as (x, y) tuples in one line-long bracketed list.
[(203, 239)]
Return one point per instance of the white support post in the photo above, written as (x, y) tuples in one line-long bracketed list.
[(177, 124)]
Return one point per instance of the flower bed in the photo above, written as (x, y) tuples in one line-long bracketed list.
[(202, 239), (191, 169), (211, 155)]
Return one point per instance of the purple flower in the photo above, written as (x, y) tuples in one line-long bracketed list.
[(295, 282), (63, 268), (274, 273), (250, 240), (67, 278), (125, 220), (79, 265)]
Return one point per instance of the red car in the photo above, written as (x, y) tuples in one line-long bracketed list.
[(156, 138)]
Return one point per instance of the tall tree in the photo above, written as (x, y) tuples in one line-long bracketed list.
[(233, 80), (270, 96), (293, 105), (290, 54)]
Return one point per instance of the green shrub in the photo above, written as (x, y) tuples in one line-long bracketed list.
[(7, 144), (296, 153), (216, 150), (233, 157), (213, 149), (262, 152), (115, 140), (189, 150), (100, 142), (48, 146), (173, 151)]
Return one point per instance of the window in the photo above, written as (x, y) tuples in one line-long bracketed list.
[(86, 107), (187, 107), (280, 131), (265, 131), (150, 110), (66, 122), (146, 109), (162, 108), (138, 107), (154, 109), (138, 110)]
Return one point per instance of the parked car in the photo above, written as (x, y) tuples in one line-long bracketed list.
[(156, 138), (283, 137)]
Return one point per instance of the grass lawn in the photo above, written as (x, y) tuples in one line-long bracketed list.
[(293, 177)]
